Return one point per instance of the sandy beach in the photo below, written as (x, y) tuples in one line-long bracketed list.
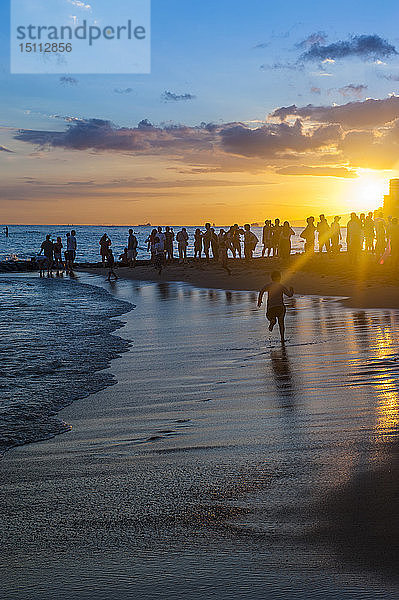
[(219, 465), (364, 284)]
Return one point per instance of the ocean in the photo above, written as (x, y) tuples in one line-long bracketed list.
[(24, 241), (55, 337)]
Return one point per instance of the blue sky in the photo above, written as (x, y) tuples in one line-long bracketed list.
[(208, 50)]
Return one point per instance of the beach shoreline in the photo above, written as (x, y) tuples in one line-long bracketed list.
[(364, 284)]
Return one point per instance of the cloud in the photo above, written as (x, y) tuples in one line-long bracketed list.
[(64, 80), (171, 97), (353, 90), (318, 171), (262, 45), (274, 139), (80, 4), (315, 90), (4, 149), (367, 113), (278, 66), (123, 90), (390, 77), (361, 46), (314, 38)]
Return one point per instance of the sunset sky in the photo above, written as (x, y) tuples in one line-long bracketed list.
[(252, 110)]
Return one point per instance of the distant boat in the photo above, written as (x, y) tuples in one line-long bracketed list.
[(145, 225)]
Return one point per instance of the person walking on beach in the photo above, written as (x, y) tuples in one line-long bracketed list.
[(335, 236), (111, 264), (169, 237), (182, 241), (197, 244), (308, 234), (222, 244), (250, 242), (275, 310), (47, 248), (267, 235), (105, 244), (131, 249), (284, 248)]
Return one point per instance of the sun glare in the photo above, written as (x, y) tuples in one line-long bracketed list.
[(367, 192)]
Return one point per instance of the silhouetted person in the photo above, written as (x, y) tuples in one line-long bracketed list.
[(131, 249), (284, 249), (335, 235), (124, 258), (47, 248), (380, 235), (111, 265), (250, 242), (197, 244), (308, 234), (58, 246), (105, 244), (323, 229), (169, 237), (267, 236), (275, 302), (6, 230), (276, 232), (394, 231), (182, 243), (206, 240), (159, 254), (214, 244), (369, 232), (354, 235), (222, 245)]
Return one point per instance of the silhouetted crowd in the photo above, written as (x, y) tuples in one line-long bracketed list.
[(371, 233)]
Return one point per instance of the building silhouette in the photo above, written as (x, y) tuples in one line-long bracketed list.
[(391, 200)]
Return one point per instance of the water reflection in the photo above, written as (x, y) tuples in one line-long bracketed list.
[(282, 373)]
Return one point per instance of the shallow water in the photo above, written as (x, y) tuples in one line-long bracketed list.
[(54, 336), (221, 465)]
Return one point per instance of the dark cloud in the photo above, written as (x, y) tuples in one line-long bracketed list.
[(318, 171), (4, 149), (262, 45), (123, 90), (369, 113), (271, 140), (171, 97), (64, 80), (362, 46), (314, 38), (353, 90)]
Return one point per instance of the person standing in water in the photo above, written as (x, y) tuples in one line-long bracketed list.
[(131, 249), (275, 302)]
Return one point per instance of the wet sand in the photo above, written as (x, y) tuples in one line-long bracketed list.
[(363, 284), (220, 464)]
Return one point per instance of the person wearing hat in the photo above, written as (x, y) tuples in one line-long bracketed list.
[(335, 233)]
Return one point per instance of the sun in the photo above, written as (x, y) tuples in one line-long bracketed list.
[(367, 191)]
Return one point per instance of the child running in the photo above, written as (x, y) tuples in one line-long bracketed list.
[(275, 302)]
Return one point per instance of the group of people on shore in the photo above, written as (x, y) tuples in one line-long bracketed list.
[(50, 255), (370, 233)]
